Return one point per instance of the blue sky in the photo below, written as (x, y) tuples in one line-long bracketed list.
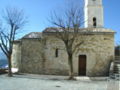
[(39, 10)]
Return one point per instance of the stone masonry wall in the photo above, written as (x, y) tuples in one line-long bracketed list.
[(38, 56), (99, 50), (16, 55)]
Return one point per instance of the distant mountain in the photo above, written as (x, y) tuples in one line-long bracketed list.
[(2, 56), (3, 60), (3, 64)]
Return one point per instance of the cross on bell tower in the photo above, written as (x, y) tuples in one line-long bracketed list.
[(93, 14)]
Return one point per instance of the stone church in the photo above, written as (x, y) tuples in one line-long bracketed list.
[(42, 53)]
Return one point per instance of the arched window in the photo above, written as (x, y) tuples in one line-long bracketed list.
[(94, 22), (56, 52)]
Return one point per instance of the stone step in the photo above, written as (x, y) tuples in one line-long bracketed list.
[(117, 56), (118, 69), (117, 62), (115, 76), (116, 72), (116, 66), (117, 59)]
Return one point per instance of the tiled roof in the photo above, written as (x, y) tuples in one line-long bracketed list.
[(104, 30), (34, 35), (53, 30)]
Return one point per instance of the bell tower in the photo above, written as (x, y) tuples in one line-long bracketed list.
[(93, 14)]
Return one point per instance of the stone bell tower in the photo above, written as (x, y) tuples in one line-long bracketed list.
[(93, 14)]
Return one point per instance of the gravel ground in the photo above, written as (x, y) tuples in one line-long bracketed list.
[(48, 82)]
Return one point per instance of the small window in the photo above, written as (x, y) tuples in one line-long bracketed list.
[(94, 22), (56, 52)]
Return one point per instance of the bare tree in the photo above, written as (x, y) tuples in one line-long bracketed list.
[(15, 20), (68, 28)]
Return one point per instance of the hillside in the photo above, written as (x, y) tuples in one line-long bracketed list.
[(3, 60), (2, 56)]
